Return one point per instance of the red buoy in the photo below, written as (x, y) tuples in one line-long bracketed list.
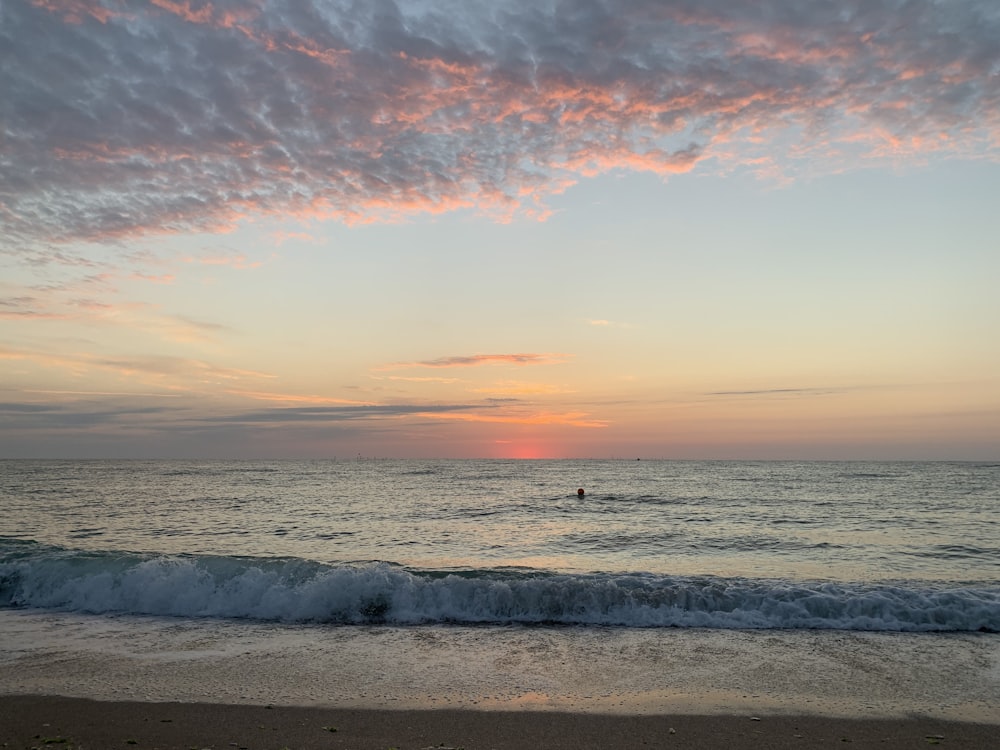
[(580, 492)]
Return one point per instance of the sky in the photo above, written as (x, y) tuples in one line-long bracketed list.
[(692, 229)]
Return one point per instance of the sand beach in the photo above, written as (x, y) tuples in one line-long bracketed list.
[(77, 681), (55, 722)]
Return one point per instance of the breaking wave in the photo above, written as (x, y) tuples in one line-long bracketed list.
[(295, 590)]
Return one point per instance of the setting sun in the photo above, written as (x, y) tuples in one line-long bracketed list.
[(524, 449)]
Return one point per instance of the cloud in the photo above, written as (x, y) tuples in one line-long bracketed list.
[(131, 394), (779, 392), (127, 117), (75, 415), (572, 419), (55, 304), (179, 373), (406, 379), (117, 421), (292, 398), (342, 413), (476, 360)]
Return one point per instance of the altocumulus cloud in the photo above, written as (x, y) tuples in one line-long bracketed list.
[(126, 117)]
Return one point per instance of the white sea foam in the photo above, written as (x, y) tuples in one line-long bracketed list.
[(294, 590)]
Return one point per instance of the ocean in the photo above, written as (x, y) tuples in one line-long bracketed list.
[(495, 557)]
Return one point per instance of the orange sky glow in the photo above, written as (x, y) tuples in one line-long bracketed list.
[(608, 229)]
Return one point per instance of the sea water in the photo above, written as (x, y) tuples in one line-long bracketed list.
[(469, 562)]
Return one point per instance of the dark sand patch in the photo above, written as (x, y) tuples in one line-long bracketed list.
[(49, 722)]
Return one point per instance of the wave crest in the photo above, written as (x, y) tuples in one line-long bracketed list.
[(295, 590)]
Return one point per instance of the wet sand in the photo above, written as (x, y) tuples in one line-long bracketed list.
[(54, 722), (84, 682)]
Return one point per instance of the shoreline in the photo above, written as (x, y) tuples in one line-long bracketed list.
[(60, 722), (833, 674)]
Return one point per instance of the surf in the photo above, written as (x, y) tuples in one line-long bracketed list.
[(296, 590)]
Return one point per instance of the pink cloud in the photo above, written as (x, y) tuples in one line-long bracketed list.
[(75, 11), (173, 116), (183, 9), (166, 278)]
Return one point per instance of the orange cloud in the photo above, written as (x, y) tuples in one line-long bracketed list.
[(420, 380), (293, 398)]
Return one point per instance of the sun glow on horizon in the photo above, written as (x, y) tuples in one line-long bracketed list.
[(525, 450), (491, 245)]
